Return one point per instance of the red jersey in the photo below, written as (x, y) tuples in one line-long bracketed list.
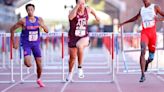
[(79, 25)]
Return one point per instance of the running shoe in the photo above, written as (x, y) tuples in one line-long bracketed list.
[(142, 79), (40, 83), (80, 73), (69, 77)]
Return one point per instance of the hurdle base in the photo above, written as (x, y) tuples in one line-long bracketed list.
[(92, 81)]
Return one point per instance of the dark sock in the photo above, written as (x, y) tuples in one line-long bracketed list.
[(79, 67), (142, 75)]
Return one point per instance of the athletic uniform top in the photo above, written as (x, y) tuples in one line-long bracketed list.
[(148, 33), (148, 16), (78, 26), (31, 33)]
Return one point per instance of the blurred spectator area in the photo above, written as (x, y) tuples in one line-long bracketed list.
[(121, 9), (132, 8), (7, 13), (126, 9)]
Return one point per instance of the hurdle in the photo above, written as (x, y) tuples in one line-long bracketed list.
[(62, 72), (63, 34), (112, 73), (132, 68), (3, 51), (160, 69), (11, 62), (63, 59)]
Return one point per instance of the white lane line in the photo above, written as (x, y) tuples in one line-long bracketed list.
[(13, 85), (159, 77), (118, 85), (64, 87)]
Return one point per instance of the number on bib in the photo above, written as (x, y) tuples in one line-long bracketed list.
[(80, 33), (33, 36), (148, 24)]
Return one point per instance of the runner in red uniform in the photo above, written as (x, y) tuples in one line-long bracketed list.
[(148, 13)]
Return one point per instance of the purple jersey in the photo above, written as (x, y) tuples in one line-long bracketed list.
[(79, 25), (31, 33), (30, 38)]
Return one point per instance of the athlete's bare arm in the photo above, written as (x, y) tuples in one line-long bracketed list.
[(19, 24), (73, 13), (92, 11), (131, 20), (159, 11), (159, 19), (42, 25)]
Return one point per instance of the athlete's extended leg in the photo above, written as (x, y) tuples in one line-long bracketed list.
[(81, 44), (150, 59), (142, 61), (37, 54), (39, 67), (72, 58), (27, 55), (152, 47), (39, 71), (27, 61)]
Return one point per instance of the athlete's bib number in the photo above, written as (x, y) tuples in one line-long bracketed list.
[(148, 24), (33, 36), (81, 27), (80, 33)]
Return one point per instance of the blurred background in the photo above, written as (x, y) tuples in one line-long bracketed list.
[(55, 12)]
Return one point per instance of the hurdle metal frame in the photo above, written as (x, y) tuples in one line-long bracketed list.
[(123, 51), (112, 73), (63, 64), (58, 34), (161, 72), (11, 60)]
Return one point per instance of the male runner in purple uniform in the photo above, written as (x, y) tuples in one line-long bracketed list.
[(30, 39), (78, 35)]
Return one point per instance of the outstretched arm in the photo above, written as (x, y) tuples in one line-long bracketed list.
[(159, 11), (131, 20), (159, 19), (41, 22), (19, 24), (92, 11)]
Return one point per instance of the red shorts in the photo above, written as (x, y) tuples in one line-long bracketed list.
[(148, 36)]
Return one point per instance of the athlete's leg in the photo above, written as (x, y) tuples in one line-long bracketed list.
[(144, 42), (149, 60), (27, 55), (152, 47), (81, 44), (39, 67), (72, 58), (39, 71), (142, 60), (27, 60), (37, 54)]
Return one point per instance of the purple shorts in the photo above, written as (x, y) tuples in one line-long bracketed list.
[(34, 47)]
